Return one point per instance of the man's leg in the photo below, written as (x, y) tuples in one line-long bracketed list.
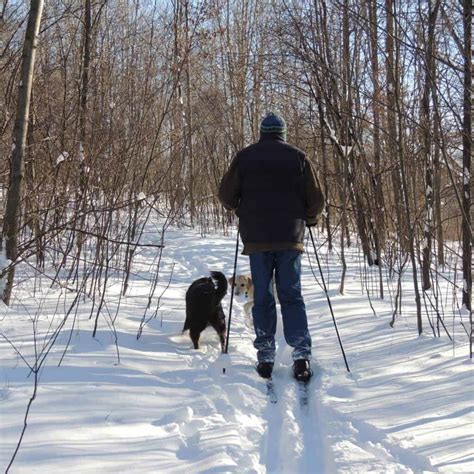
[(264, 309), (288, 284)]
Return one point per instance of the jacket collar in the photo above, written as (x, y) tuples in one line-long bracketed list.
[(271, 137)]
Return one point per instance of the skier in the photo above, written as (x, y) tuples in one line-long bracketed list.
[(275, 192)]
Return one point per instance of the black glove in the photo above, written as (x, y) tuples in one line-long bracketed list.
[(311, 222)]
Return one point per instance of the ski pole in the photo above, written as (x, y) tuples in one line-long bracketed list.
[(226, 350), (329, 300)]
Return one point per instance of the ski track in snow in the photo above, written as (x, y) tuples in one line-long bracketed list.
[(318, 456), (294, 439), (169, 408)]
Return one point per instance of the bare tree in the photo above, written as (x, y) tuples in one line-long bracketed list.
[(20, 132), (426, 121), (467, 238), (158, 96)]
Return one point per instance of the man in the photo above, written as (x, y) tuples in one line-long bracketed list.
[(275, 192)]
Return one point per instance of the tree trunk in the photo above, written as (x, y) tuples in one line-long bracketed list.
[(467, 153), (84, 94), (392, 139), (189, 119), (376, 178), (20, 131), (437, 193), (324, 152), (427, 142)]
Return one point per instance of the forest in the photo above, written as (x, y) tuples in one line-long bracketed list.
[(138, 107), (116, 115)]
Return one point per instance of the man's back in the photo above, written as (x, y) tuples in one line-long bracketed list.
[(272, 205)]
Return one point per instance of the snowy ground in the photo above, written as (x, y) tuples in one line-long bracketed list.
[(406, 406)]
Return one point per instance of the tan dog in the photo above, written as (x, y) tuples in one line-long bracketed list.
[(243, 285)]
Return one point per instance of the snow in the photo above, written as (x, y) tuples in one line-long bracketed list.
[(141, 196), (332, 133), (346, 150), (81, 156), (455, 154), (467, 177), (62, 157), (429, 215), (406, 406), (4, 263)]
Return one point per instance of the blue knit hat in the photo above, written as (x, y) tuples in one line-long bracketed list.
[(273, 123)]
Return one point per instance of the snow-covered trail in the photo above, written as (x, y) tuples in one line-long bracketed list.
[(406, 406), (293, 440)]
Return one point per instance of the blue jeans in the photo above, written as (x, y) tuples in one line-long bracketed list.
[(286, 264)]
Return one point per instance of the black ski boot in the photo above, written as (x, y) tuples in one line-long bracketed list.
[(264, 369), (302, 370)]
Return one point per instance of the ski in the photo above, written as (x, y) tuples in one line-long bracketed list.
[(271, 394), (303, 393)]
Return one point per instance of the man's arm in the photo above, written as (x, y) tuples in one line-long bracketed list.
[(229, 189), (314, 197)]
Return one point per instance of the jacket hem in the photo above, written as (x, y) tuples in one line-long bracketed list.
[(250, 247)]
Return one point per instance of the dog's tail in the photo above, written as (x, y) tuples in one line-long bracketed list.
[(221, 284)]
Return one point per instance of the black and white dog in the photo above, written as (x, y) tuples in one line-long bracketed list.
[(204, 308)]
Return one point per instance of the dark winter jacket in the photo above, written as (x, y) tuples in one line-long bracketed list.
[(274, 190)]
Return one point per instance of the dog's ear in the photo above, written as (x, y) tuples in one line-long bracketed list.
[(231, 281), (249, 280)]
